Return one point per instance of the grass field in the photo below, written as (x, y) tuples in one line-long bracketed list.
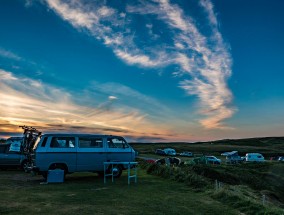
[(160, 190), (21, 193)]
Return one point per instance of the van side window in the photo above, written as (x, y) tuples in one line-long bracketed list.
[(62, 142), (117, 143), (44, 142), (110, 143), (90, 142)]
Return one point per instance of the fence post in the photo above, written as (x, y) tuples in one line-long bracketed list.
[(216, 185), (263, 200)]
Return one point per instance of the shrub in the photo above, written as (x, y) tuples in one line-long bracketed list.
[(184, 175)]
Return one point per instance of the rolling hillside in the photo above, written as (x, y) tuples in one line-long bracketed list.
[(268, 146)]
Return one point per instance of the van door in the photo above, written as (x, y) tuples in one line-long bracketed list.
[(90, 154), (62, 150), (118, 150)]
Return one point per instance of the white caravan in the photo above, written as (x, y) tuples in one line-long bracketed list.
[(254, 157)]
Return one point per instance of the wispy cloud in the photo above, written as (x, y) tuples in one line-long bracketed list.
[(15, 62), (26, 101), (132, 99), (8, 54), (204, 60)]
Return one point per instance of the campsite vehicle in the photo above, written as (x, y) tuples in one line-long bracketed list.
[(281, 159), (254, 157), (213, 160), (169, 161), (160, 152), (186, 154), (232, 157), (170, 151), (80, 153), (11, 158)]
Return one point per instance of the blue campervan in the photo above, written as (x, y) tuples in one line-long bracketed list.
[(80, 153)]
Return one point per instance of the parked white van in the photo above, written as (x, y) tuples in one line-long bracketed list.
[(80, 153), (254, 157)]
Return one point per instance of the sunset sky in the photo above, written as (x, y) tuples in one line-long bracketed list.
[(148, 70)]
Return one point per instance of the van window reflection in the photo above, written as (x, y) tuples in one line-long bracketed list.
[(62, 142), (90, 142)]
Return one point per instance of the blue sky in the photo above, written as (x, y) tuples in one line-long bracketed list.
[(155, 70)]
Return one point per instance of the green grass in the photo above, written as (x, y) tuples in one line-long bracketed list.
[(20, 193), (241, 189)]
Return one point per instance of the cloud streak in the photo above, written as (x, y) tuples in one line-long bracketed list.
[(9, 55), (26, 101), (203, 59)]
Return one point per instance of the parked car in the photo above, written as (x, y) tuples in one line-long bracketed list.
[(169, 161), (170, 151), (160, 152), (232, 157), (80, 153), (254, 157), (10, 158), (186, 154), (281, 159), (213, 160)]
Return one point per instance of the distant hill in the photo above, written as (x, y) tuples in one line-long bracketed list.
[(256, 141), (268, 146)]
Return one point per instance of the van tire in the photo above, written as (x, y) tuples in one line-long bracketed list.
[(117, 170)]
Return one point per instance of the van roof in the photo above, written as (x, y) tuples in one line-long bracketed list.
[(77, 135)]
